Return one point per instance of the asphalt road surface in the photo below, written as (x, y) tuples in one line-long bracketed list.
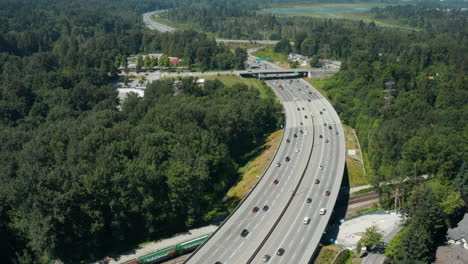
[(281, 226)]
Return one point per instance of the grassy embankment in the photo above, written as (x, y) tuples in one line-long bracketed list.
[(354, 166), (229, 80), (364, 15)]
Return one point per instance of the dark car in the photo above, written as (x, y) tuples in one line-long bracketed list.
[(326, 140), (255, 209), (287, 158), (280, 252), (275, 181), (295, 135), (329, 127), (218, 262), (308, 100), (317, 181), (298, 109), (265, 208), (309, 200), (302, 124), (244, 233), (303, 108), (310, 92), (320, 136), (305, 116), (288, 140), (321, 112), (324, 124), (327, 193), (302, 132)]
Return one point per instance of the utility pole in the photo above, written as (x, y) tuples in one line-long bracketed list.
[(324, 51), (388, 92)]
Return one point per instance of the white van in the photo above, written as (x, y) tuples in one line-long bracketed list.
[(306, 220)]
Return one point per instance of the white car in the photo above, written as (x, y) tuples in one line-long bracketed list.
[(306, 220), (323, 211), (297, 150), (321, 167)]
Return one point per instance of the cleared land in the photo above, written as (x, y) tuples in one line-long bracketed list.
[(327, 254), (229, 80), (364, 15)]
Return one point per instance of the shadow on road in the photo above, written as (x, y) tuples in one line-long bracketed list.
[(339, 212)]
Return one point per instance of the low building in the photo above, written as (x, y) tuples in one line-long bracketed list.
[(174, 61), (459, 234)]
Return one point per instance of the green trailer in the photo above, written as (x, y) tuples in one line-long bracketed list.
[(263, 59), (158, 256), (188, 246)]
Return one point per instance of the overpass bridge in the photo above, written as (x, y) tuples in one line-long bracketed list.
[(265, 74)]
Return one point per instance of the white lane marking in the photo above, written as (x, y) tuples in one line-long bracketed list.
[(289, 175), (317, 171)]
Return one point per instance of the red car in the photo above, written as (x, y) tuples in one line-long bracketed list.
[(327, 193), (276, 182), (255, 209), (280, 86)]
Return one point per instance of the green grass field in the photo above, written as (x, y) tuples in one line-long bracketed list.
[(363, 15), (286, 6)]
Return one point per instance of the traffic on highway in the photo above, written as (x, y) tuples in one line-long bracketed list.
[(283, 217)]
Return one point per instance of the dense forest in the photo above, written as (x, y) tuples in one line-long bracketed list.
[(80, 179)]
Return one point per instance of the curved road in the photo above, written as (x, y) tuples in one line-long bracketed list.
[(313, 143)]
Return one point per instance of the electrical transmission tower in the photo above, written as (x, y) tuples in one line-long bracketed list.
[(388, 92)]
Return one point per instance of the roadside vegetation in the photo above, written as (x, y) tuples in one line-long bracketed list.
[(279, 59), (252, 171), (229, 80)]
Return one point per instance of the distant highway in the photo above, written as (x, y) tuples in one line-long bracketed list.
[(151, 24)]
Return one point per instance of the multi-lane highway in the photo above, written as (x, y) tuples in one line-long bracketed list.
[(299, 240), (303, 178), (317, 153)]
